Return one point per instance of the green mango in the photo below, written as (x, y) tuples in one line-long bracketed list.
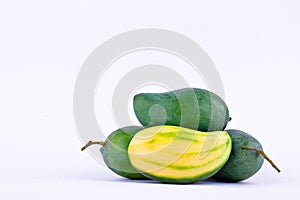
[(173, 154), (114, 152), (192, 108), (246, 158)]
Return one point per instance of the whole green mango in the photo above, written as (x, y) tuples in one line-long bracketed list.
[(245, 160), (192, 108), (115, 152)]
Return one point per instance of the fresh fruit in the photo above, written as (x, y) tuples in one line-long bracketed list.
[(189, 107), (114, 152), (245, 160), (173, 154)]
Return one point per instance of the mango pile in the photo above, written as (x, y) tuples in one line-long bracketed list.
[(182, 140)]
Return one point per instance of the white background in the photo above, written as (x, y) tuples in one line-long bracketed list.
[(254, 44)]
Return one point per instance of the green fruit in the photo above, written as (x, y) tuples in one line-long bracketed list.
[(173, 154), (114, 152), (189, 107), (245, 160)]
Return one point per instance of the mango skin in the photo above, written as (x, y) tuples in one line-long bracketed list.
[(242, 163), (192, 108), (115, 154)]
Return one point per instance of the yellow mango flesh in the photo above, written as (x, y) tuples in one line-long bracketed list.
[(178, 153)]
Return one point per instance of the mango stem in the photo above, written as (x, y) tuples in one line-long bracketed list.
[(260, 152), (92, 143)]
